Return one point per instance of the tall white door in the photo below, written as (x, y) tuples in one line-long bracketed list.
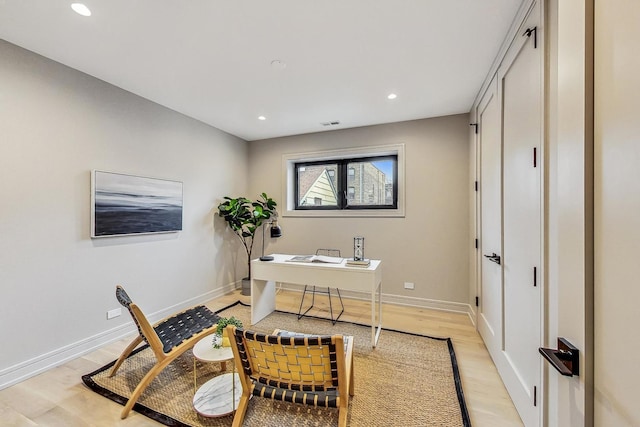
[(510, 119), (520, 88), (490, 195)]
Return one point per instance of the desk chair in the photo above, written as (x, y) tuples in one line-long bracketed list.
[(309, 370), (321, 290)]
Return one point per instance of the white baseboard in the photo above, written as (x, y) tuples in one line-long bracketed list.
[(455, 307), (36, 365), (473, 315)]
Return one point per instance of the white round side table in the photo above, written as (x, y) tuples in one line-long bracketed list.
[(220, 395)]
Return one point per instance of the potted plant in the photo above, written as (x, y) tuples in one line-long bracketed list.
[(244, 217), (220, 338)]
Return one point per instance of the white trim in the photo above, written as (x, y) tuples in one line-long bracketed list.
[(36, 365), (523, 12), (288, 177)]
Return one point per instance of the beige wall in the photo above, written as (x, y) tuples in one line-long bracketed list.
[(617, 213), (430, 245), (56, 125), (605, 392), (568, 297)]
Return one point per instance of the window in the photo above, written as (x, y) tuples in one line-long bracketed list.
[(351, 183), (316, 185), (338, 191)]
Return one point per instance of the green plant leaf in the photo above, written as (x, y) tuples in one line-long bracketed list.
[(244, 217)]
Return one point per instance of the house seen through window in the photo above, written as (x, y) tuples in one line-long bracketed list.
[(355, 183)]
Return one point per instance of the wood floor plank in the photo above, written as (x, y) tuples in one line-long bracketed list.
[(11, 417)]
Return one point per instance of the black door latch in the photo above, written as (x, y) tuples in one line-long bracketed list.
[(565, 358), (494, 258)]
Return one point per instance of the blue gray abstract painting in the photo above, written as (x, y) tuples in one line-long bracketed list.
[(127, 204)]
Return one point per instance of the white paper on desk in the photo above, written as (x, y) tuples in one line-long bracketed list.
[(317, 258)]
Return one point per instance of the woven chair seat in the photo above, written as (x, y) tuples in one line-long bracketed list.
[(179, 328), (293, 386), (326, 399)]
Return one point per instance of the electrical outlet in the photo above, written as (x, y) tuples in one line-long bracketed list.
[(409, 285), (114, 313)]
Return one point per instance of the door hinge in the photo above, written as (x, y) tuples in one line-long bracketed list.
[(535, 157), (477, 302), (535, 276), (528, 33), (535, 396), (476, 243), (476, 185), (475, 125)]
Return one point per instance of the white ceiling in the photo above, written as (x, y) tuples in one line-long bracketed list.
[(211, 59)]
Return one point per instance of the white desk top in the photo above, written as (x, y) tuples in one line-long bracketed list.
[(282, 259)]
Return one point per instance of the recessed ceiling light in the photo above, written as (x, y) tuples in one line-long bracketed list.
[(81, 9), (392, 96), (262, 118), (278, 65)]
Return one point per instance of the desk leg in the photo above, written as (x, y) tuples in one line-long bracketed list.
[(376, 326), (263, 299)]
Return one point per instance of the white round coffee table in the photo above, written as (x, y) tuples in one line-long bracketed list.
[(220, 395)]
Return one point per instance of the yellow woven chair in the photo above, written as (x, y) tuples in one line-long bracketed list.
[(309, 370), (168, 339)]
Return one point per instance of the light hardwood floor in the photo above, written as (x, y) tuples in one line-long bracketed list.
[(59, 398)]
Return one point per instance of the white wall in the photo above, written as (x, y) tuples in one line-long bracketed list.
[(429, 246), (56, 125)]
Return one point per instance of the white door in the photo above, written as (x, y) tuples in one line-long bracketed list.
[(521, 94), (490, 239)]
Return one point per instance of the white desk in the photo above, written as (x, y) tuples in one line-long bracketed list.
[(265, 275)]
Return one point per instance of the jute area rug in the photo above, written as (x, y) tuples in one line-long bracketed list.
[(407, 380)]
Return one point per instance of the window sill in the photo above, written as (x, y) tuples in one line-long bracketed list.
[(362, 213)]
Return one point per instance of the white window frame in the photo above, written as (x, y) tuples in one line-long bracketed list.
[(289, 176)]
